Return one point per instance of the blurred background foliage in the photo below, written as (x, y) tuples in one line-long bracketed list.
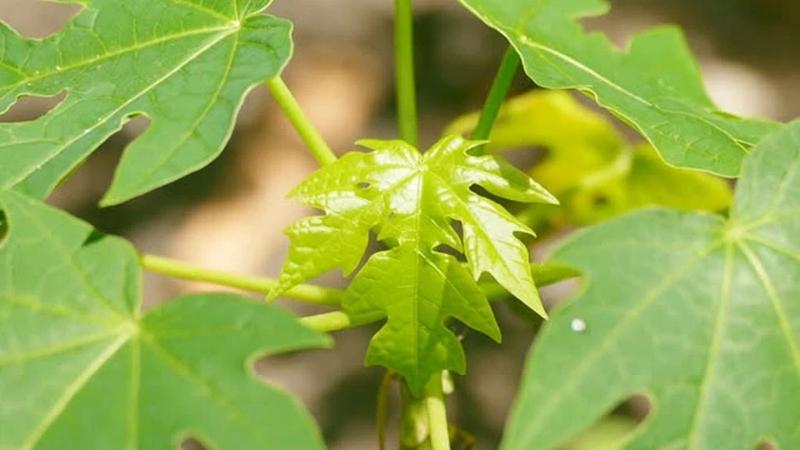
[(230, 215)]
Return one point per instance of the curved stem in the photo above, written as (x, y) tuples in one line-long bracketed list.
[(404, 72), (414, 423), (177, 269), (328, 322), (437, 414), (497, 94), (334, 321), (544, 274), (313, 140)]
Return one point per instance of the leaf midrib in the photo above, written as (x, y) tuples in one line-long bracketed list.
[(57, 151), (73, 389), (209, 11), (756, 265), (170, 152), (568, 383), (70, 259), (110, 55), (533, 44), (775, 301), (525, 40), (211, 391), (713, 350), (476, 225), (55, 349)]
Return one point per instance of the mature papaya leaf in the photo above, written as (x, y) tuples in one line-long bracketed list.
[(606, 434), (81, 367), (698, 312), (184, 64), (589, 166), (411, 200), (654, 85)]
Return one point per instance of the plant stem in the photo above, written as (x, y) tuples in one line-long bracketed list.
[(334, 321), (543, 275), (313, 140), (437, 414), (414, 423), (404, 72), (305, 292), (497, 95)]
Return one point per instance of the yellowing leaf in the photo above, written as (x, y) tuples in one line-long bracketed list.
[(588, 164), (184, 64)]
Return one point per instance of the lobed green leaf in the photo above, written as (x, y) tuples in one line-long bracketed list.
[(186, 65), (654, 84), (81, 367), (698, 312), (412, 201)]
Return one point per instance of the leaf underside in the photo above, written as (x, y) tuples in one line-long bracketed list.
[(412, 201), (654, 85), (80, 367), (700, 313), (184, 64)]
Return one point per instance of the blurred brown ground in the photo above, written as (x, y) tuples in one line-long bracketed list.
[(230, 215)]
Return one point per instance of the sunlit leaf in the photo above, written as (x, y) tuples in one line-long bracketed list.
[(411, 200)]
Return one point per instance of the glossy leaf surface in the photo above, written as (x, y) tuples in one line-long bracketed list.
[(184, 64), (411, 200), (654, 84), (81, 367), (698, 312), (589, 165)]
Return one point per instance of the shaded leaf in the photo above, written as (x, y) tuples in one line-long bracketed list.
[(589, 166), (654, 84), (411, 201), (184, 64), (700, 313), (81, 367)]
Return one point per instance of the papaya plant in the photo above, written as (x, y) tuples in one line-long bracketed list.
[(688, 288)]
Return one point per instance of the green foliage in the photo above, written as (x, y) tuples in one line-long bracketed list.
[(589, 166), (698, 312), (188, 72), (80, 367), (654, 85), (411, 200)]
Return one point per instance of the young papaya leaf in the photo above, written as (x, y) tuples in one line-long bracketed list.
[(697, 312), (81, 367), (654, 84), (589, 166), (186, 65), (411, 200)]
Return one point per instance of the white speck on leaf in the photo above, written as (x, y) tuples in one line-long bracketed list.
[(578, 325)]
